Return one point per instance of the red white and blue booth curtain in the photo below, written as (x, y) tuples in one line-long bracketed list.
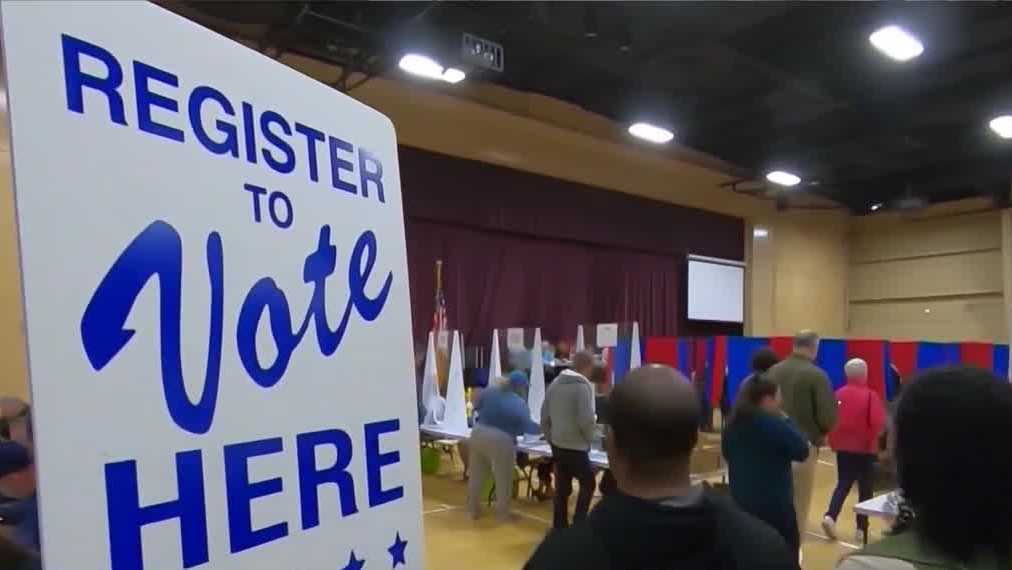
[(724, 362)]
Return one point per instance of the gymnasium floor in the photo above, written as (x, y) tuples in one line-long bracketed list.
[(453, 540)]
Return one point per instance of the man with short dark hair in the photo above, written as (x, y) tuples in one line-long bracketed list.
[(568, 422), (808, 399), (657, 519)]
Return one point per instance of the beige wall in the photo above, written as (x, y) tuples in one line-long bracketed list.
[(932, 277), (798, 274), (13, 363)]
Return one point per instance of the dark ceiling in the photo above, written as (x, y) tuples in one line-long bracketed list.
[(795, 86)]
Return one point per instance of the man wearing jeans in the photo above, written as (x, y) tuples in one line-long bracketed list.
[(809, 401), (567, 419)]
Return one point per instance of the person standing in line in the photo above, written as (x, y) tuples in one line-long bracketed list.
[(759, 444), (762, 360), (20, 518), (568, 421), (951, 447), (657, 518), (808, 399), (502, 416), (855, 441), (602, 409)]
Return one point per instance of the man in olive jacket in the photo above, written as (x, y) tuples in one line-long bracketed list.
[(809, 401)]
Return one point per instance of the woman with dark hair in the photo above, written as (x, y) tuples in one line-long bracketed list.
[(763, 359), (759, 444), (950, 445)]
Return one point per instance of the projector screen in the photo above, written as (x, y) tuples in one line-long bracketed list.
[(716, 290)]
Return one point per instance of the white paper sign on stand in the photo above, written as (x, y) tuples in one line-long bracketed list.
[(494, 359), (635, 354), (212, 249), (580, 346), (515, 339), (432, 401), (607, 335), (455, 418), (536, 389)]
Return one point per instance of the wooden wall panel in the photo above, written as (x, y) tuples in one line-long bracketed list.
[(971, 273), (930, 278), (980, 318), (902, 238)]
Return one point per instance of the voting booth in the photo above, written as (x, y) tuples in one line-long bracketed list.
[(447, 409), (212, 251), (522, 351), (618, 344)]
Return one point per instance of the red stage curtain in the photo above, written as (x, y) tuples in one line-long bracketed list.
[(782, 345), (495, 279), (521, 249), (873, 353), (719, 369), (662, 350), (979, 354), (903, 355)]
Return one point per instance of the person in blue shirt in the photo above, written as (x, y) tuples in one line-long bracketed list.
[(17, 482), (759, 444), (502, 416)]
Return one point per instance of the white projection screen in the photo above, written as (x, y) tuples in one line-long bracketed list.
[(716, 290)]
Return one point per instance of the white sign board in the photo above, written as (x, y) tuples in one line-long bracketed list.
[(215, 288), (607, 335), (515, 339)]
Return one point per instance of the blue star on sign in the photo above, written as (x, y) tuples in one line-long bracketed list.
[(354, 563), (397, 551)]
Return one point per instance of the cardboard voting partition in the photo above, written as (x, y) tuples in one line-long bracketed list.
[(216, 301)]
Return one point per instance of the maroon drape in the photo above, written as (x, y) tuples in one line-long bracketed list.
[(521, 249), (498, 280), (440, 188)]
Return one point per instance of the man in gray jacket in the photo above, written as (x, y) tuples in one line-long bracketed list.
[(567, 419)]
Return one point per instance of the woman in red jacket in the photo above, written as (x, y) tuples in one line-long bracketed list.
[(855, 440)]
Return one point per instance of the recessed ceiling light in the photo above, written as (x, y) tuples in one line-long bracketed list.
[(425, 66), (453, 75), (1002, 126), (896, 43), (421, 65), (651, 133), (760, 232), (876, 206), (783, 178)]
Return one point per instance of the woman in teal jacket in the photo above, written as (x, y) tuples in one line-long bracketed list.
[(759, 444)]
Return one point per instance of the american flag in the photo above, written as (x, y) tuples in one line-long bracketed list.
[(439, 320)]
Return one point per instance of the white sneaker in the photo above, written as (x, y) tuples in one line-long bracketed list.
[(829, 527), (860, 537)]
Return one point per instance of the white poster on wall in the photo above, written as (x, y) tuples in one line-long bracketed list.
[(607, 335), (216, 301), (515, 339)]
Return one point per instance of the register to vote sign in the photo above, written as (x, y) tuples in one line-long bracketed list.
[(216, 301)]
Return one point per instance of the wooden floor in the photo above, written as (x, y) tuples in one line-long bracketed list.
[(454, 541)]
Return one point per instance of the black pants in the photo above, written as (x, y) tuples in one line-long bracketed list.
[(851, 467), (570, 464), (785, 522)]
